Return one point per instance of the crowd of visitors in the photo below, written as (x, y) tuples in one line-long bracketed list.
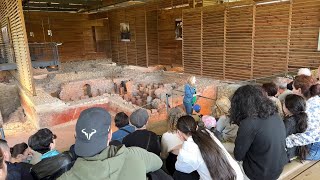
[(269, 125)]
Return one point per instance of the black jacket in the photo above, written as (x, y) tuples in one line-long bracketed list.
[(18, 171), (260, 144), (145, 139), (53, 167), (290, 124)]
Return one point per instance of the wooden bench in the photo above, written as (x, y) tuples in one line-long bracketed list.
[(290, 171)]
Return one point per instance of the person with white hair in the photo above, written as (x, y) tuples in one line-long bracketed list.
[(304, 71), (283, 91)]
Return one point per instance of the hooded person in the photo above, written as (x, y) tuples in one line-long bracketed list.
[(98, 160)]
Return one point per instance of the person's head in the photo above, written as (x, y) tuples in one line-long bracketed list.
[(139, 118), (304, 71), (197, 108), (315, 90), (3, 166), (5, 150), (213, 156), (192, 80), (302, 85), (20, 152), (249, 101), (42, 141), (295, 106), (223, 105), (121, 119), (209, 121), (281, 84), (173, 116), (93, 132), (270, 88)]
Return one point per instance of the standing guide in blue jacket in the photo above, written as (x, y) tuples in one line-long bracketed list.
[(190, 95)]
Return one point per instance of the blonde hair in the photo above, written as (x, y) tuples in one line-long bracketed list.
[(190, 80), (173, 116), (224, 105)]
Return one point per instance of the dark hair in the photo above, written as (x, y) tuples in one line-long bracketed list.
[(121, 119), (18, 149), (315, 90), (270, 88), (41, 140), (304, 83), (1, 159), (215, 159), (249, 102), (297, 106)]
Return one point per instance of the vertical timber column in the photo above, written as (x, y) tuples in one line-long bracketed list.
[(289, 37), (253, 37), (20, 44), (201, 40), (224, 41)]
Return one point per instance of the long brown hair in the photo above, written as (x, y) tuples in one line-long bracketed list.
[(215, 159)]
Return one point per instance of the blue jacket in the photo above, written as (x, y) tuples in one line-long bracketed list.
[(189, 91), (122, 132)]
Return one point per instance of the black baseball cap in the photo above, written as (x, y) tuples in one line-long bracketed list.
[(92, 130)]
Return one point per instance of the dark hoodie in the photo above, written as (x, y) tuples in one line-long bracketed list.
[(115, 163)]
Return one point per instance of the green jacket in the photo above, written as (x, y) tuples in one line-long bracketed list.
[(115, 163)]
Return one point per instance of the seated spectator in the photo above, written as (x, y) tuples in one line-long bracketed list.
[(44, 142), (295, 122), (202, 152), (98, 160), (142, 137), (170, 142), (260, 141), (124, 128), (52, 163), (272, 90), (301, 71), (225, 130), (20, 153), (197, 116), (305, 86), (3, 167), (15, 171), (283, 91)]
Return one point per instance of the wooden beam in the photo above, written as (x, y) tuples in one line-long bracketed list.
[(45, 5), (49, 9), (84, 2)]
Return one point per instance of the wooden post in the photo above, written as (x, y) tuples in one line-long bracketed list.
[(146, 35), (224, 42), (201, 36), (289, 37), (253, 38)]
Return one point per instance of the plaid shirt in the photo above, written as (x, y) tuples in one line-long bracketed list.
[(312, 134)]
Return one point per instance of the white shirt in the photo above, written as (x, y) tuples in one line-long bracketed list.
[(190, 159), (168, 142)]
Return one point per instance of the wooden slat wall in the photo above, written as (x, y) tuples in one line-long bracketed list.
[(271, 36), (213, 41), (74, 31), (152, 36), (192, 41), (12, 10), (304, 34), (170, 50), (258, 40), (238, 43), (131, 46), (152, 27)]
